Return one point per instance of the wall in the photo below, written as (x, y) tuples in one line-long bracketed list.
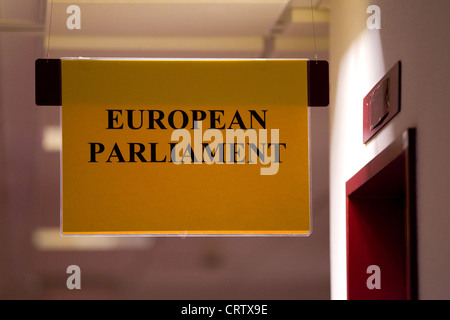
[(415, 32)]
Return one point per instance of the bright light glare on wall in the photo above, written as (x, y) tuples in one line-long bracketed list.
[(51, 138), (50, 239), (361, 65)]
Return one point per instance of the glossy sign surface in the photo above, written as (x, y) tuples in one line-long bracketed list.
[(185, 147)]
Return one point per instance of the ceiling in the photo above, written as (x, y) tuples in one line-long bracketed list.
[(33, 264), (243, 28)]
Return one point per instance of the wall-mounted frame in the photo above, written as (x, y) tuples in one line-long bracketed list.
[(381, 224), (382, 103)]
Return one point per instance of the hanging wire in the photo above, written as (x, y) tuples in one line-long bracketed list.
[(49, 28), (314, 31)]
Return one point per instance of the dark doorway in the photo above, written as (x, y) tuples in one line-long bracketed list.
[(381, 231)]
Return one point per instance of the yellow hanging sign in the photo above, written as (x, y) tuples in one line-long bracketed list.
[(185, 147)]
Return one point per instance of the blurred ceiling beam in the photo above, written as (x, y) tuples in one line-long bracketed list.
[(16, 25), (161, 43)]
